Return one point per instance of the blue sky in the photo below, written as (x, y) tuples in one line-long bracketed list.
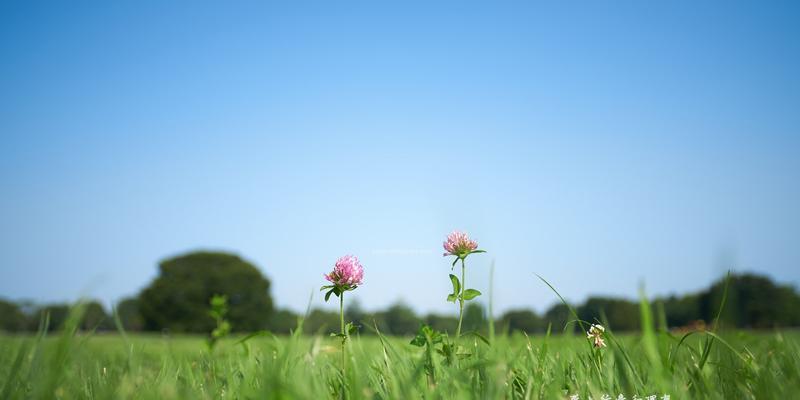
[(598, 144)]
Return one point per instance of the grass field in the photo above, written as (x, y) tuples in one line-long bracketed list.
[(81, 366)]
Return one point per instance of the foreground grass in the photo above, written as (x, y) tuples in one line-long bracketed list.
[(737, 365)]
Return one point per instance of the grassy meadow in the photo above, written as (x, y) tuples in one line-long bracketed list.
[(731, 365)]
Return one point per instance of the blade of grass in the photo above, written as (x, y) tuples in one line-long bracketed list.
[(710, 339)]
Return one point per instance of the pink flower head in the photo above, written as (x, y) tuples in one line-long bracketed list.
[(347, 273), (459, 244)]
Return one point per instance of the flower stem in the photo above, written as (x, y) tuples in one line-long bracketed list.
[(344, 334), (461, 299)]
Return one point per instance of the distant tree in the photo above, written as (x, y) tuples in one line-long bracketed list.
[(282, 321), (559, 317), (129, 315), (474, 318), (12, 319), (753, 301), (521, 320), (95, 318), (400, 320), (177, 300), (681, 311), (373, 319), (321, 321), (621, 314), (355, 313), (442, 323), (57, 314), (28, 307)]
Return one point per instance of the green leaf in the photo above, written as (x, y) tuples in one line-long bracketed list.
[(424, 334), (477, 251), (470, 294), (454, 262), (328, 295), (350, 328), (456, 289), (456, 284), (420, 339)]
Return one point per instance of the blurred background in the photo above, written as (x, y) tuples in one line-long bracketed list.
[(602, 147)]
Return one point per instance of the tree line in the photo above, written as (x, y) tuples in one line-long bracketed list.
[(177, 301)]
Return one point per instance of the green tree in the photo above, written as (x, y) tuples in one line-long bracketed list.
[(622, 314), (521, 320), (57, 316), (129, 315), (283, 321), (754, 301), (474, 318), (399, 319), (681, 311), (442, 323), (559, 316), (177, 300), (355, 313), (95, 318), (12, 319), (321, 321)]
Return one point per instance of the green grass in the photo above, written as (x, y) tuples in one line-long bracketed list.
[(652, 364), (85, 366)]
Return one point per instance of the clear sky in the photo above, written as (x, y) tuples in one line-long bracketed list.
[(598, 144)]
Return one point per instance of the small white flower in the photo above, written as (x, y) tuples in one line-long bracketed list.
[(595, 333)]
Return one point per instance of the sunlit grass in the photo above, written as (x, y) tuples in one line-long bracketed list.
[(747, 365), (652, 364)]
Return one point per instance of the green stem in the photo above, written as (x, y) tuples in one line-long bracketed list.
[(461, 299), (341, 311), (344, 334)]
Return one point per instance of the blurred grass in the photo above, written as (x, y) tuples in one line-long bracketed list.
[(655, 364), (748, 365)]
